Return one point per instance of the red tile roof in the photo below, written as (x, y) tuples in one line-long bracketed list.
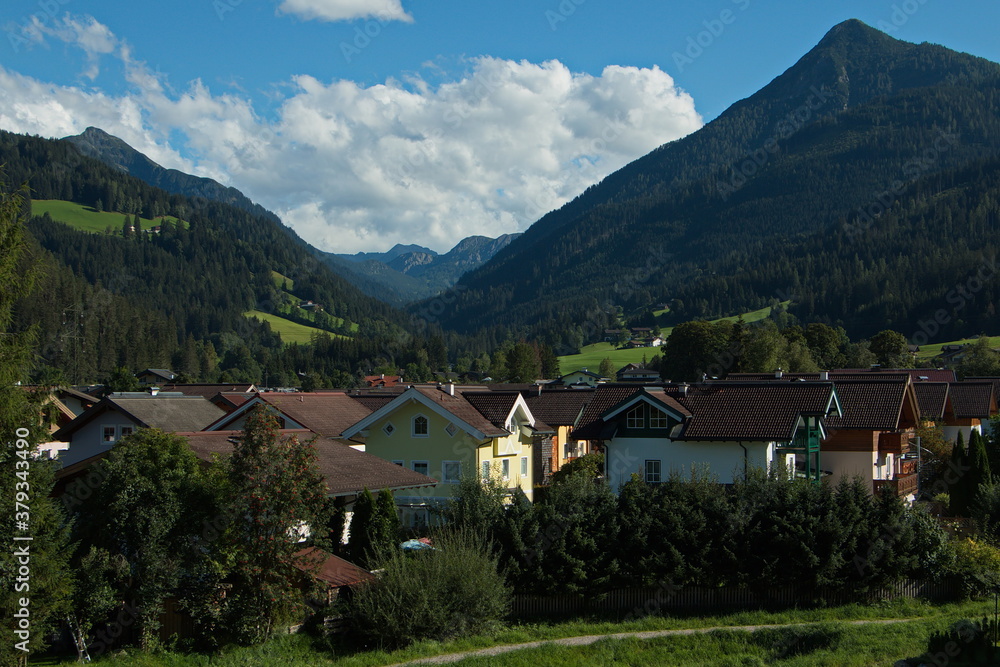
[(494, 405), (330, 569)]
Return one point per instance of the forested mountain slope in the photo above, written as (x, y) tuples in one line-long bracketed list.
[(863, 129)]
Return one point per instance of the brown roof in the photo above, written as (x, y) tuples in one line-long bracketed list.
[(750, 411), (973, 399), (460, 406), (373, 402), (494, 405), (606, 396), (345, 470), (876, 405), (560, 407), (719, 410), (932, 397), (330, 569), (326, 413)]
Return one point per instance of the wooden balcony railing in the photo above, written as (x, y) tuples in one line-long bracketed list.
[(902, 486)]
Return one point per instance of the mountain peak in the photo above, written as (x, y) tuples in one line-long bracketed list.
[(851, 31)]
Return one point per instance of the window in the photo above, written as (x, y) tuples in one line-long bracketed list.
[(388, 428), (109, 433), (658, 419), (524, 466), (420, 466), (486, 469), (451, 429), (399, 463), (505, 468), (420, 426), (125, 431), (634, 418), (451, 471), (652, 472)]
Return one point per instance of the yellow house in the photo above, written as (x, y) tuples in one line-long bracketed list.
[(445, 432)]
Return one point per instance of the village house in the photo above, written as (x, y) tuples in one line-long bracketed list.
[(446, 432), (582, 377), (155, 376), (327, 413), (121, 414), (722, 428), (873, 439), (561, 409)]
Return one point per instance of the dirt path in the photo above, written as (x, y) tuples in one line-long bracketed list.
[(650, 634)]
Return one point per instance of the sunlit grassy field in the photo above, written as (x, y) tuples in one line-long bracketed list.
[(86, 218)]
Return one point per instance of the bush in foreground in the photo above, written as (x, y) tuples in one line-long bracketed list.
[(450, 591)]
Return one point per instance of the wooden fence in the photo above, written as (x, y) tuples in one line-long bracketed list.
[(645, 601)]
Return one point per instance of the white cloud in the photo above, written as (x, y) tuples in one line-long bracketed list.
[(93, 37), (362, 168), (345, 10)]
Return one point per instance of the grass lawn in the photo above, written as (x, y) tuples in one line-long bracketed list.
[(591, 356), (290, 332), (830, 641), (931, 350), (280, 280), (86, 218)]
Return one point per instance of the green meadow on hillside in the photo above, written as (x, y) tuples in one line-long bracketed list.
[(87, 219), (590, 356)]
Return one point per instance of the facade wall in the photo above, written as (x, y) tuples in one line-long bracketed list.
[(965, 426), (89, 440), (847, 464), (725, 460), (439, 448)]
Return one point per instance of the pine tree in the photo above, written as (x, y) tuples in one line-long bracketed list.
[(20, 431), (277, 491), (359, 545), (385, 523), (958, 488)]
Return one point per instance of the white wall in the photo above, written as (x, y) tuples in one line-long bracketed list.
[(848, 464), (724, 460)]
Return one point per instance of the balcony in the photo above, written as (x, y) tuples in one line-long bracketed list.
[(907, 467), (902, 486)]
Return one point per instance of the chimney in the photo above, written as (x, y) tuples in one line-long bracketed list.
[(539, 390), (824, 375), (683, 388), (778, 374), (153, 391), (450, 388)]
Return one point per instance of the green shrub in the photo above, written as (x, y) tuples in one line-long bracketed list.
[(450, 591)]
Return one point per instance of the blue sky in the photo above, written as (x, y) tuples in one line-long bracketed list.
[(365, 123)]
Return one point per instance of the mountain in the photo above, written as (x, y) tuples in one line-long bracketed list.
[(182, 297), (817, 187), (96, 143), (380, 275), (408, 273), (386, 257)]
